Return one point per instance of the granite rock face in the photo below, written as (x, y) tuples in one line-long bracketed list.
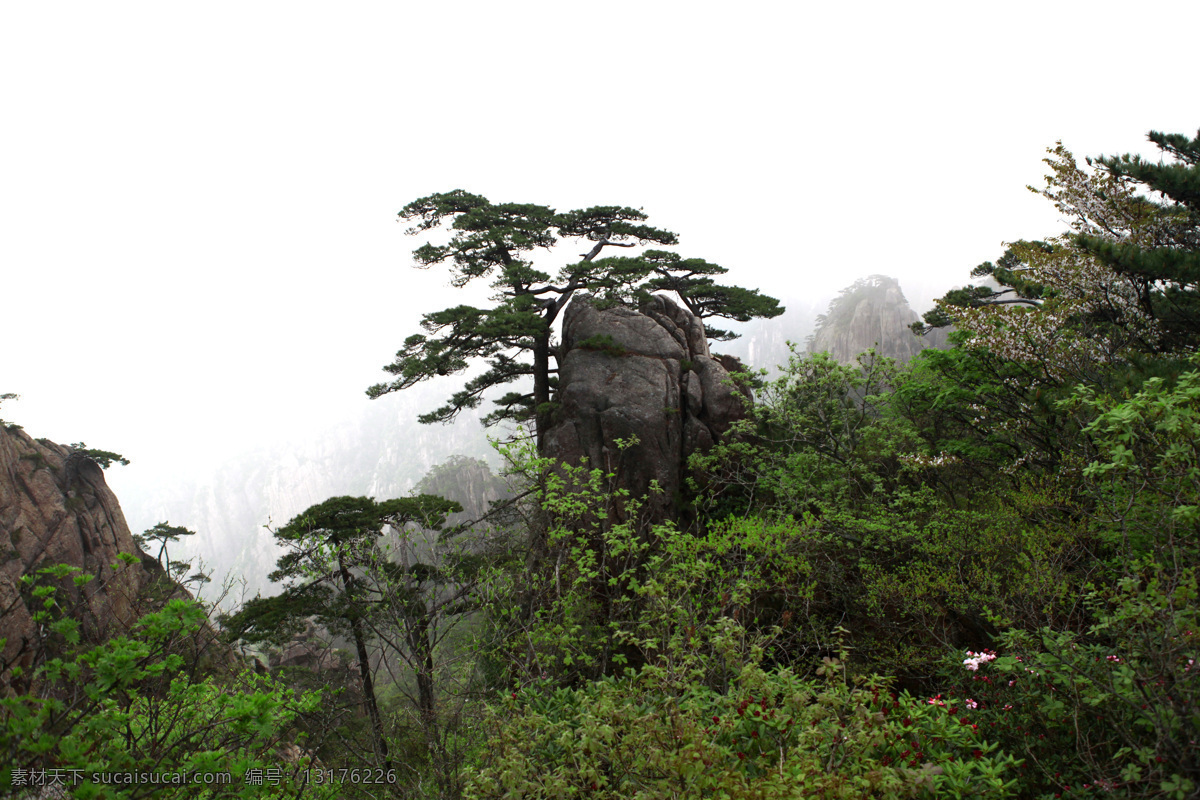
[(872, 312), (468, 482), (644, 373), (55, 508)]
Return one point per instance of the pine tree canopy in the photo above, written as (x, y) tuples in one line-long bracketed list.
[(1165, 261), (513, 337), (1010, 271), (322, 543), (1130, 265)]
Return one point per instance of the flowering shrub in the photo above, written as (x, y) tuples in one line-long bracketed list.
[(663, 732), (973, 660), (1089, 315), (1087, 718)]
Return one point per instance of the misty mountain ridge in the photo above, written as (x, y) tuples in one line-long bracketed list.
[(381, 452)]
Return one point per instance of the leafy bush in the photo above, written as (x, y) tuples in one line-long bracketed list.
[(132, 705), (664, 732), (1115, 709), (1145, 476)]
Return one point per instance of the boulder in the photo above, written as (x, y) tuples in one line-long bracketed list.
[(645, 373)]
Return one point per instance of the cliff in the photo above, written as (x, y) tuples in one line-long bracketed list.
[(468, 482), (55, 508), (871, 312)]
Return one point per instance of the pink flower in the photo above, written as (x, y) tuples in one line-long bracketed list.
[(971, 703), (973, 660)]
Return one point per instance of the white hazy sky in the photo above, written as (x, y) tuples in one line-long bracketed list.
[(198, 245)]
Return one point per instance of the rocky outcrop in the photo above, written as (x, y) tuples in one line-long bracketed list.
[(55, 508), (309, 650), (468, 482), (871, 312), (648, 374)]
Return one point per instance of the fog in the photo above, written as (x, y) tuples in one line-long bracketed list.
[(200, 252)]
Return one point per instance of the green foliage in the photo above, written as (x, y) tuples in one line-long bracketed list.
[(1107, 698), (813, 437), (982, 415), (1121, 283), (1034, 490), (329, 544), (580, 600), (1010, 271), (604, 343), (936, 499), (1166, 266), (105, 458), (1145, 474), (1111, 708), (513, 337), (134, 705), (379, 574), (280, 618), (690, 279), (663, 732), (39, 460), (164, 533), (339, 531)]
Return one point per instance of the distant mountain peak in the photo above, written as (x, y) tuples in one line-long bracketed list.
[(871, 312)]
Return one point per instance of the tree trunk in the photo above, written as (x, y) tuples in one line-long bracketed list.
[(364, 668), (423, 652), (541, 386), (418, 640)]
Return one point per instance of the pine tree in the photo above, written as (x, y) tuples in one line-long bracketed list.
[(1121, 285), (1165, 263), (163, 534), (329, 546), (497, 241)]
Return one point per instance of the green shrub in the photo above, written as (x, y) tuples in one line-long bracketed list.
[(132, 705), (663, 732), (1115, 708), (604, 343)]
